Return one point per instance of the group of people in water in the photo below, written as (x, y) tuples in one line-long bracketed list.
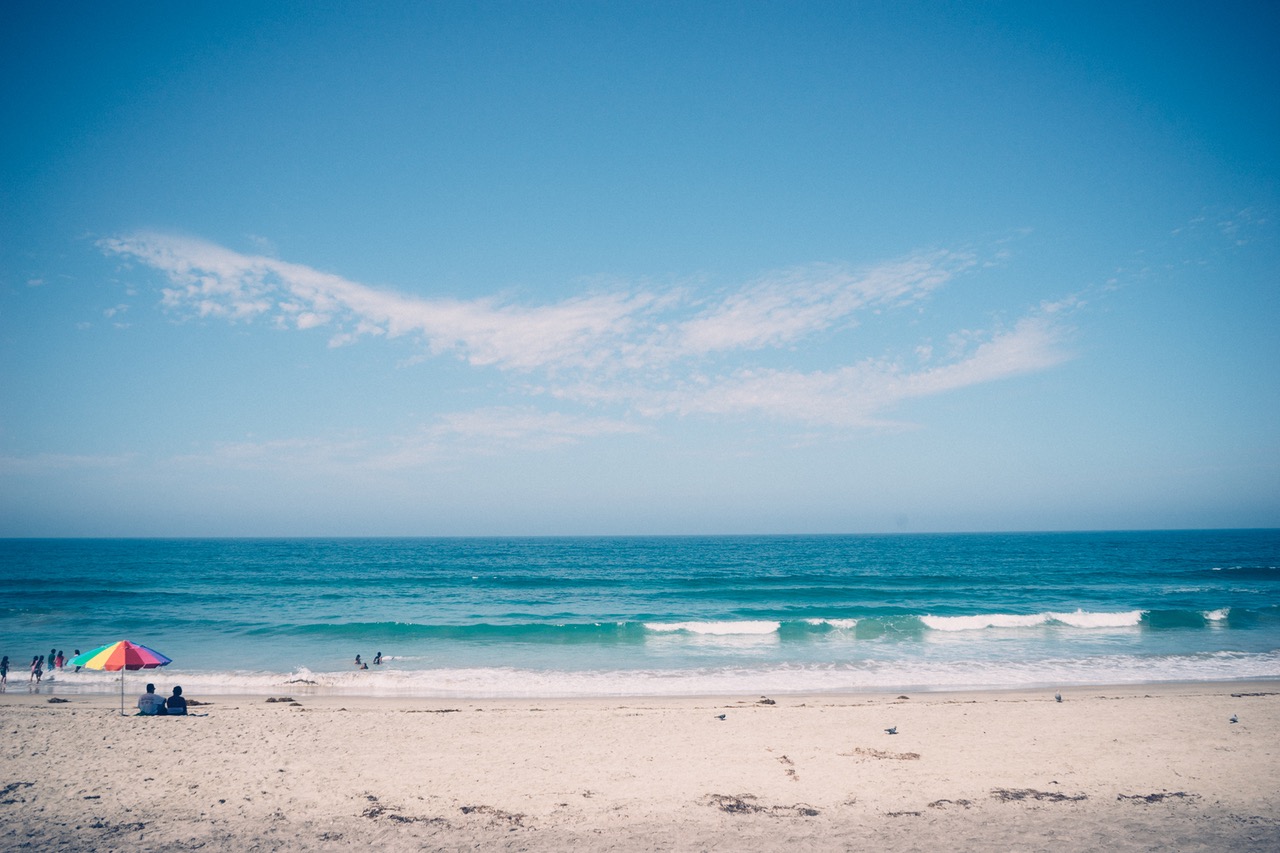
[(39, 665), (377, 661), (150, 704)]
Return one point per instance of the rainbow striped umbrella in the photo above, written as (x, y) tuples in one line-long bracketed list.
[(121, 655)]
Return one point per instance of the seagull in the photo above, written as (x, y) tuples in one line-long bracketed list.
[(892, 730), (719, 716), (1057, 697), (1234, 718)]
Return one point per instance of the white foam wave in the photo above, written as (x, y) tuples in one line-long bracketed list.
[(847, 677), (1217, 615), (985, 620), (838, 624), (714, 628), (1078, 619), (1086, 619)]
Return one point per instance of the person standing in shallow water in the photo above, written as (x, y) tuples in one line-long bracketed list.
[(37, 668), (4, 671), (77, 654)]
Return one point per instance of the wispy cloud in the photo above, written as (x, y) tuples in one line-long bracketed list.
[(475, 433), (854, 395), (785, 307), (497, 429), (211, 281), (646, 352)]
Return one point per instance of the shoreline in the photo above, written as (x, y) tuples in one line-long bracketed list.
[(1111, 767), (135, 680), (1244, 688)]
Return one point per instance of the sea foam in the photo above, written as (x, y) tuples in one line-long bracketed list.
[(917, 674), (1077, 619), (715, 628)]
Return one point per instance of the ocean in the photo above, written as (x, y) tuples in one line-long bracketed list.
[(646, 616)]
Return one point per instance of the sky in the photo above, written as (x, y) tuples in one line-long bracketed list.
[(439, 269)]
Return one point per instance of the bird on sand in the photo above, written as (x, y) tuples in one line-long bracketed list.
[(719, 716), (892, 730), (1057, 697), (1234, 718)]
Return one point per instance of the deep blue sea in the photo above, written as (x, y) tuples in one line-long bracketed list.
[(652, 615)]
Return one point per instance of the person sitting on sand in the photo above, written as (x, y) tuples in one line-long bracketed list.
[(149, 704), (175, 705)]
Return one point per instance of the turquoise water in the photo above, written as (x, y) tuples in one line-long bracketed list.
[(654, 615)]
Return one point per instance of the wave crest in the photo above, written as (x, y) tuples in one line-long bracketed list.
[(718, 629), (1077, 619)]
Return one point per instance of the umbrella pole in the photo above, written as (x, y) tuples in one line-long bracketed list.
[(122, 691)]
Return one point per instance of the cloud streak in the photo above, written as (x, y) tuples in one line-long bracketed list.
[(646, 352)]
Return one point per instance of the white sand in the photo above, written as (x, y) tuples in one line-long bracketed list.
[(1129, 768)]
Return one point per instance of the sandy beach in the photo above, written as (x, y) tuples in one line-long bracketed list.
[(1125, 768)]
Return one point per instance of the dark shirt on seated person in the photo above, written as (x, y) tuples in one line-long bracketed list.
[(175, 704)]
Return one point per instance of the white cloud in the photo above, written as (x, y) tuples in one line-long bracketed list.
[(647, 352), (786, 307), (211, 281), (849, 396)]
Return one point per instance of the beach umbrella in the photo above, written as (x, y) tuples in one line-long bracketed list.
[(120, 655)]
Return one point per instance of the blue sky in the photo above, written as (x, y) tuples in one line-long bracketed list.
[(456, 269)]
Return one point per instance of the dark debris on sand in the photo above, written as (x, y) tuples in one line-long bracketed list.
[(1006, 795), (746, 804), (938, 804), (1159, 797), (863, 752), (377, 810), (12, 788), (497, 814)]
